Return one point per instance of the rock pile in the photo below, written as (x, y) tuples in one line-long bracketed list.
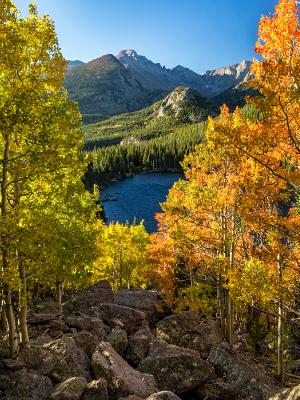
[(119, 346)]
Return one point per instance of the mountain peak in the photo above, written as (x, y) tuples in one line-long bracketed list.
[(127, 53)]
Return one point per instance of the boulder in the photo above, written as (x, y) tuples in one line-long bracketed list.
[(25, 385), (188, 330), (71, 389), (121, 378), (39, 319), (218, 390), (132, 397), (96, 390), (87, 342), (131, 319), (39, 358), (93, 296), (70, 359), (247, 377), (87, 323), (175, 368), (165, 395), (41, 340), (14, 365), (287, 394), (147, 301), (139, 345), (118, 339)]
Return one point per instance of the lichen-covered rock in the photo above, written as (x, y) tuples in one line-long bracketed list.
[(39, 358), (175, 368), (246, 377), (218, 390), (25, 385), (165, 395), (70, 359), (188, 330), (131, 319), (87, 323), (71, 389), (118, 339), (147, 301), (93, 296), (121, 378), (87, 342), (139, 345), (287, 394), (95, 390)]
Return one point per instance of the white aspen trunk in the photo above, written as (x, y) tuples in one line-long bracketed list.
[(59, 298), (24, 336), (13, 337), (280, 360)]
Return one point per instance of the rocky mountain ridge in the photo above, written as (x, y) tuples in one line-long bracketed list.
[(112, 85), (209, 84)]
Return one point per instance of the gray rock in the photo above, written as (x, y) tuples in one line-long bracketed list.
[(131, 319), (13, 364), (118, 339), (246, 377), (147, 301), (70, 359), (218, 390), (96, 390), (93, 296), (38, 319), (139, 345), (39, 358), (175, 368), (41, 340), (165, 395), (131, 397), (188, 330), (87, 323), (87, 342), (71, 389), (25, 385), (287, 394), (121, 378)]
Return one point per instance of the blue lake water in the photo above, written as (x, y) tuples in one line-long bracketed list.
[(137, 197)]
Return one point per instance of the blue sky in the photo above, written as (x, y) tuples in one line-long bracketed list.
[(199, 34)]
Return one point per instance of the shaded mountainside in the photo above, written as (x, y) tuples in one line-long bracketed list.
[(74, 64), (105, 87), (235, 96), (152, 139), (181, 107), (112, 85)]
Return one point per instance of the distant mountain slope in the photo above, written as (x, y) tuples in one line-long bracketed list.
[(105, 87), (181, 107), (235, 96), (128, 82), (74, 64)]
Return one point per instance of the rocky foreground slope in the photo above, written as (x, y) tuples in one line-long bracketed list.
[(121, 346)]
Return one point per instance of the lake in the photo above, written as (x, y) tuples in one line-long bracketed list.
[(137, 197)]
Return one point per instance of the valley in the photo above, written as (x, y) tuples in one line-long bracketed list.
[(142, 117)]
